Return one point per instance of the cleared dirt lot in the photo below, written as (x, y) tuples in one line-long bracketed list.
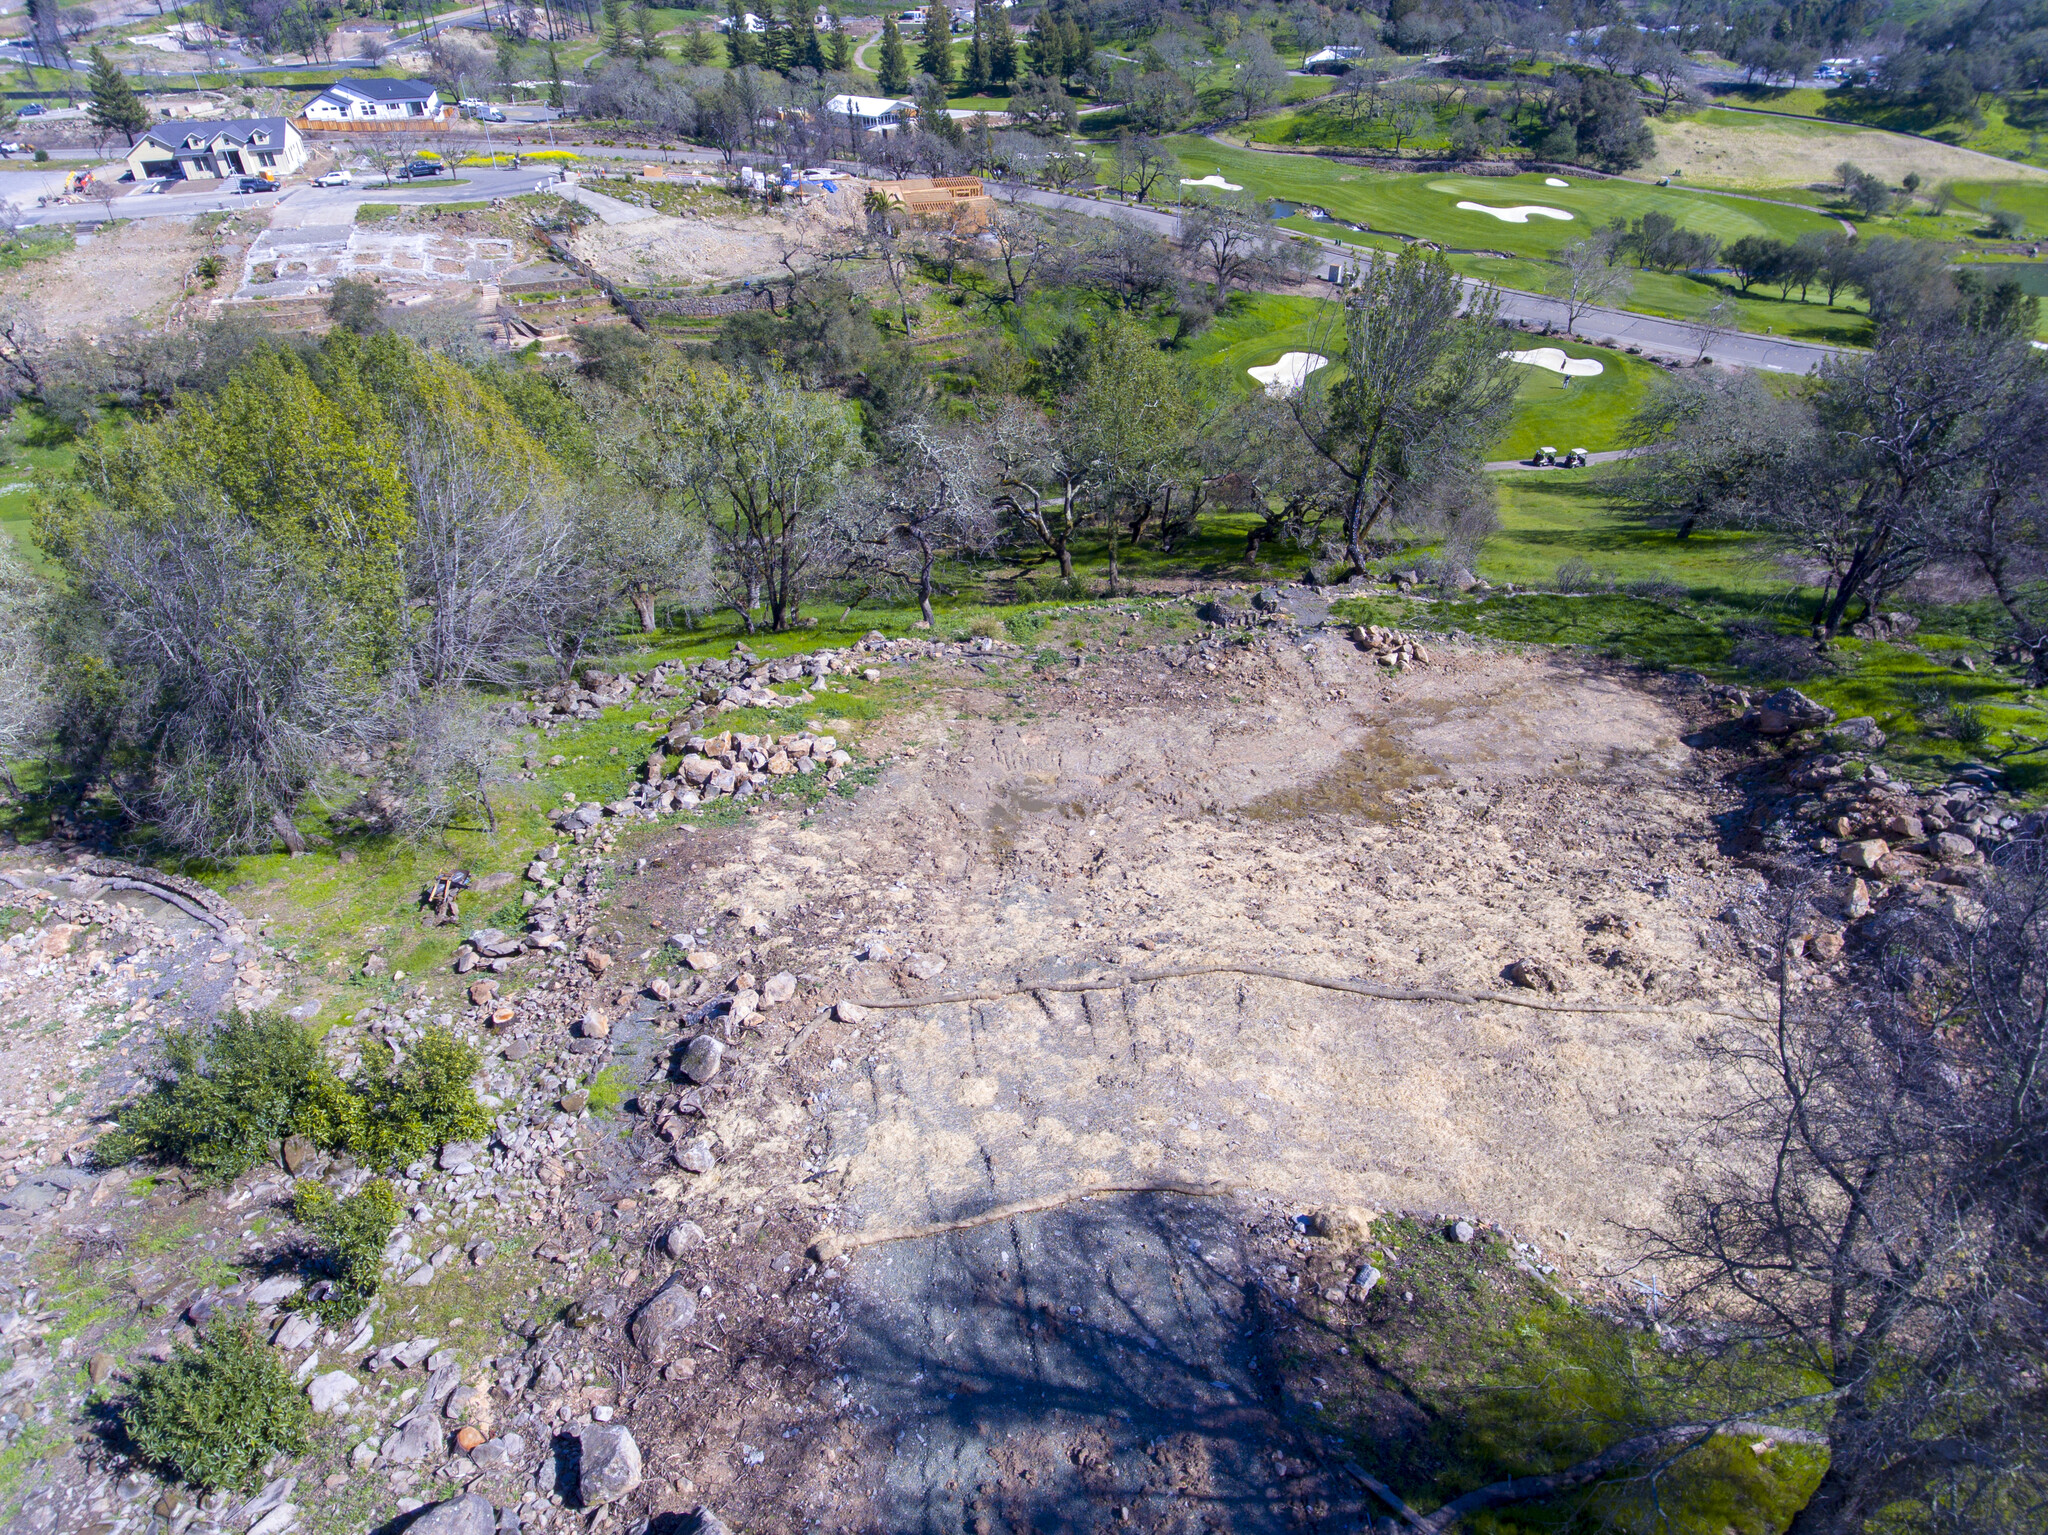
[(130, 274), (1297, 808), (1753, 149), (724, 242)]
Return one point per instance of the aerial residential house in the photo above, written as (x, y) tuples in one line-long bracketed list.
[(375, 101), (874, 114), (249, 146), (1331, 61)]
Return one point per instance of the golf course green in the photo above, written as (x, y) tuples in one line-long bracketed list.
[(1587, 413), (1424, 205)]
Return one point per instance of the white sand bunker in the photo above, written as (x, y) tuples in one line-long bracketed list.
[(1552, 181), (1212, 181), (1555, 360), (1287, 375), (1518, 215)]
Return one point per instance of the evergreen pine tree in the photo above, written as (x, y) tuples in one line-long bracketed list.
[(935, 58), (696, 49), (115, 106), (1079, 46), (894, 74), (556, 98), (839, 52), (804, 48), (1002, 53), (615, 24), (651, 45), (739, 42), (1042, 54), (977, 56)]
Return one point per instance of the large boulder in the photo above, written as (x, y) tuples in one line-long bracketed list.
[(608, 1465), (466, 1515), (1885, 626), (1786, 711), (668, 1312)]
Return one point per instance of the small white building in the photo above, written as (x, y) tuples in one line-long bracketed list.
[(749, 22), (873, 114), (356, 101), (1331, 61)]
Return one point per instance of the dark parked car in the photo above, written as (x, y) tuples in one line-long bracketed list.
[(420, 168), (256, 184), (31, 109)]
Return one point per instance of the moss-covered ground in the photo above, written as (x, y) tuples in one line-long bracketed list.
[(1465, 1365)]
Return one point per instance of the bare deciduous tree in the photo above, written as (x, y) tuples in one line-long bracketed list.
[(930, 498), (24, 696), (1422, 388), (1231, 238), (1043, 478), (1585, 277)]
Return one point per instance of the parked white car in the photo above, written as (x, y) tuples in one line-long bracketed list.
[(335, 179)]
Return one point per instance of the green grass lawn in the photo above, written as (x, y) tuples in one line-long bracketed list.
[(1565, 413), (1680, 297), (1425, 205), (1587, 412)]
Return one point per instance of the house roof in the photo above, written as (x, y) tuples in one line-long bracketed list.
[(382, 90), (241, 131), (865, 106)]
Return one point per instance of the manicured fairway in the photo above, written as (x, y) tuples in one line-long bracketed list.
[(1587, 413), (1426, 205)]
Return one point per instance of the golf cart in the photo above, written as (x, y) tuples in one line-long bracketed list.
[(1576, 459), (1544, 458)]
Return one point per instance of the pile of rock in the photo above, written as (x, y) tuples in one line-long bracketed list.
[(1888, 828), (1885, 626), (1390, 647), (743, 680), (729, 764)]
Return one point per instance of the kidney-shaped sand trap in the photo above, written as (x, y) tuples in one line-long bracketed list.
[(1553, 181), (1286, 375), (1555, 360), (1520, 214), (1212, 181)]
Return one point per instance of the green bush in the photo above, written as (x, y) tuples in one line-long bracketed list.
[(352, 1233), (214, 1414), (229, 1091), (390, 1115), (226, 1092)]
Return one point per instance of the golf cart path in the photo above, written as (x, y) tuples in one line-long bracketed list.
[(1619, 328)]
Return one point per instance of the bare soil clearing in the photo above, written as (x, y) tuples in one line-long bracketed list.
[(716, 246), (1763, 150), (78, 294), (1298, 807)]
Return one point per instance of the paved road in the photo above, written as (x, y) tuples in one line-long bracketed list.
[(1620, 327), (297, 204)]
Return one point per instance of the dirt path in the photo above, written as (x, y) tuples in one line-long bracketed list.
[(1295, 806)]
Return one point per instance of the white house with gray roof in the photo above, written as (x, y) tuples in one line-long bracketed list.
[(203, 151), (374, 101)]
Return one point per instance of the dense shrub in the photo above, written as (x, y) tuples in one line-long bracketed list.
[(394, 1114), (352, 1233), (226, 1091), (229, 1091), (214, 1414)]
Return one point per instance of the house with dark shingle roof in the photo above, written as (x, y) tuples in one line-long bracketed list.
[(205, 151), (375, 101)]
